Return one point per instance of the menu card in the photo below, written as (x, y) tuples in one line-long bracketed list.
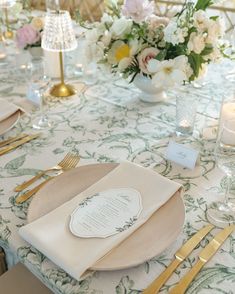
[(106, 213)]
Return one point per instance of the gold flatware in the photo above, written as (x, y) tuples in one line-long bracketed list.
[(11, 140), (180, 256), (18, 143), (204, 256), (60, 166), (72, 163), (26, 196)]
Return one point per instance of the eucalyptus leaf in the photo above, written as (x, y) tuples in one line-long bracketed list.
[(16, 163)]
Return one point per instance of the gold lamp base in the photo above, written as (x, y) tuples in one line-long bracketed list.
[(8, 35), (62, 90)]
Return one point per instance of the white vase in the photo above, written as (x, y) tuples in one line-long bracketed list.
[(149, 93), (36, 52)]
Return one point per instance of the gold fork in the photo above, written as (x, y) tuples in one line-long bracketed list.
[(60, 166), (71, 163)]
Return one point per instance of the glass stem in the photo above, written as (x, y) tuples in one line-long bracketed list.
[(227, 192), (43, 116)]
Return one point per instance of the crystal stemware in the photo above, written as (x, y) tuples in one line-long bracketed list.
[(224, 211), (39, 85)]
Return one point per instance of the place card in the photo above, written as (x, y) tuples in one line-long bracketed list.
[(182, 155), (106, 213)]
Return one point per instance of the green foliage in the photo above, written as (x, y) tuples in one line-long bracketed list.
[(214, 17), (203, 4), (196, 62), (161, 55), (208, 50)]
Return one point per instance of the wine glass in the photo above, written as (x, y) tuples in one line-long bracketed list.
[(224, 212), (39, 84)]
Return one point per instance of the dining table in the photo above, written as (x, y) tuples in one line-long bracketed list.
[(106, 122)]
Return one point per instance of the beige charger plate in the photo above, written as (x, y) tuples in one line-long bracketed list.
[(9, 122), (148, 241)]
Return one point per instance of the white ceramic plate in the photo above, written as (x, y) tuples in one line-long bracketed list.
[(7, 124), (158, 233)]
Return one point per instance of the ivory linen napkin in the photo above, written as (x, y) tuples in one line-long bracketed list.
[(50, 234), (7, 109)]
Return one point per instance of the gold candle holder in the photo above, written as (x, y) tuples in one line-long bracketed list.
[(8, 34), (62, 89)]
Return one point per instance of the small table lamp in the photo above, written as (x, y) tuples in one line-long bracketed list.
[(59, 36), (5, 4)]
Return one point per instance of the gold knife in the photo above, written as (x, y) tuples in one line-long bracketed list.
[(180, 256), (18, 143), (11, 140), (204, 256), (29, 194)]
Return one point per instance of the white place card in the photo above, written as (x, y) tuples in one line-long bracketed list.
[(106, 213), (182, 155)]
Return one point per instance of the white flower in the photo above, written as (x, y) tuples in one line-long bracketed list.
[(106, 38), (138, 10), (118, 51), (124, 63), (157, 21), (121, 27), (168, 73), (121, 54), (201, 20), (135, 46), (196, 43), (174, 34), (215, 30), (145, 56), (181, 62), (214, 56), (92, 36), (106, 18)]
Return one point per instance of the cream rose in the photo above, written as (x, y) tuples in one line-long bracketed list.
[(201, 20), (157, 21), (196, 43), (145, 56), (37, 23)]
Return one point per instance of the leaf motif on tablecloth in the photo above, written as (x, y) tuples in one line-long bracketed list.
[(15, 163), (58, 151), (211, 278), (126, 286), (31, 254), (5, 232)]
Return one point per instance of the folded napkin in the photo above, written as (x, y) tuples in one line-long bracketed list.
[(50, 234), (7, 109)]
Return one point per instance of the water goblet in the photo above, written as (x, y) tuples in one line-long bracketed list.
[(39, 84), (224, 211)]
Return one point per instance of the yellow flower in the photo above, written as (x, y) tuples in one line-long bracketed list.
[(122, 52), (118, 51)]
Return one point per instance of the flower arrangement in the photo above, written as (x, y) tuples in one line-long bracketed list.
[(29, 35), (134, 40)]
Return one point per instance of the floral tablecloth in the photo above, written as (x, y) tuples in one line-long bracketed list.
[(108, 123)]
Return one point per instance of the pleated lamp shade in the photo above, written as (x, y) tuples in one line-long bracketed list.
[(58, 34)]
